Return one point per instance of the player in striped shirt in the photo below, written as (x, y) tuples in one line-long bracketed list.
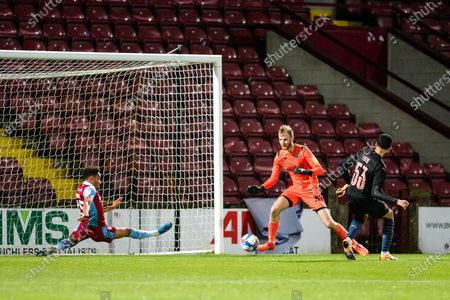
[(92, 221)]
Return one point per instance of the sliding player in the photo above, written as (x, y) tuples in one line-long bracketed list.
[(303, 168), (366, 196), (92, 221)]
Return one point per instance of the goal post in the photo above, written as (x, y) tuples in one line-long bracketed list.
[(151, 122)]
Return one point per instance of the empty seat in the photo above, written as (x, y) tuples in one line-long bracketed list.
[(278, 74), (315, 110), (292, 108), (54, 30), (300, 127), (441, 189), (34, 45), (228, 53), (369, 130), (218, 35), (254, 72), (259, 147), (130, 47), (57, 45), (322, 129), (241, 165), (248, 55), (119, 14), (73, 13), (418, 184), (149, 33), (263, 165), (395, 187), (392, 169), (284, 91), (271, 126), (244, 108), (195, 35), (257, 18), (142, 15), (435, 170), (125, 32), (235, 146), (200, 49), (78, 31), (403, 150), (241, 36), (332, 148), (82, 46), (233, 18), (231, 71), (96, 13), (7, 28), (347, 129), (262, 90), (58, 142), (52, 123), (244, 182), (40, 192), (101, 31), (251, 127), (238, 90), (268, 108), (230, 127), (172, 34), (188, 17), (339, 112), (311, 144), (412, 170), (28, 30), (229, 187), (9, 43), (166, 16), (211, 17), (353, 145), (309, 93)]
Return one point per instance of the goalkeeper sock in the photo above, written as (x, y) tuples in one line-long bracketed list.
[(388, 231), (340, 231), (63, 245), (353, 229), (142, 234), (273, 229)]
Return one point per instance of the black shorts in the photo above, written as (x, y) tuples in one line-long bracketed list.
[(374, 208)]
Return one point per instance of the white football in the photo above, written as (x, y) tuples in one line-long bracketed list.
[(249, 242)]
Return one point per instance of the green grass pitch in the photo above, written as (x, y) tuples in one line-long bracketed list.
[(206, 276)]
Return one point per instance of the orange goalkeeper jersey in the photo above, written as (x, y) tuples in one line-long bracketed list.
[(300, 157)]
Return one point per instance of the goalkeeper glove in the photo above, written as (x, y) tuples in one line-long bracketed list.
[(303, 171), (255, 189)]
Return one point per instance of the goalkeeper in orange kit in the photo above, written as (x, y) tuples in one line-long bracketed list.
[(303, 168)]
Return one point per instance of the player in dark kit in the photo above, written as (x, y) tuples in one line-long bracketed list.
[(366, 196)]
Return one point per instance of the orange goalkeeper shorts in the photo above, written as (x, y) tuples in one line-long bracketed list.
[(295, 195)]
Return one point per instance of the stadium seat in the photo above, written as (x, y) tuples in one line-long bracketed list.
[(240, 165), (441, 189), (57, 45), (149, 33), (218, 35), (347, 129), (130, 47), (27, 30), (231, 71), (195, 35), (278, 74), (254, 72), (353, 145), (106, 47), (311, 144), (268, 109), (89, 160), (369, 130), (395, 188), (322, 129), (257, 18), (58, 142), (54, 31), (96, 13), (292, 109), (403, 150), (392, 169), (300, 127), (238, 90), (435, 170), (109, 144), (227, 109), (208, 3), (52, 123), (412, 170), (142, 15), (101, 31), (10, 44), (82, 46), (166, 16), (244, 108), (78, 31), (235, 146), (189, 17), (212, 17), (309, 93), (262, 90), (34, 45), (228, 53), (271, 127), (72, 13), (242, 36), (230, 191), (339, 112), (332, 148), (172, 34), (7, 29), (244, 182), (263, 165), (259, 147), (248, 55), (418, 184), (200, 49), (315, 110), (251, 127), (230, 127), (125, 32), (234, 18), (119, 14), (284, 91)]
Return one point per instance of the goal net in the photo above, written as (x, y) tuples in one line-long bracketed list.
[(152, 123)]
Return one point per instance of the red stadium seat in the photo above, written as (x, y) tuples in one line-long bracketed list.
[(130, 47), (257, 18), (322, 129), (208, 3), (412, 170), (77, 124), (234, 18), (241, 165), (227, 109), (251, 127), (238, 90), (278, 74), (185, 3), (312, 145), (54, 30), (231, 71), (189, 17), (212, 17), (7, 28), (172, 34), (403, 150), (40, 192), (101, 32), (228, 53), (435, 170), (253, 72), (78, 31), (82, 46), (125, 32), (238, 35), (418, 184), (231, 4), (142, 15), (166, 16), (230, 127), (244, 182), (52, 123), (149, 33), (235, 146), (96, 13), (218, 35), (119, 14), (195, 35), (441, 189), (284, 91), (259, 147), (315, 110), (34, 45), (332, 148), (309, 93), (353, 145), (103, 125), (369, 130), (339, 112), (28, 30), (248, 55), (263, 165), (262, 90), (292, 108), (200, 49), (72, 13), (229, 187), (244, 108), (268, 108), (9, 43), (347, 129), (300, 127), (106, 47), (392, 169), (395, 188), (57, 45), (271, 127)]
